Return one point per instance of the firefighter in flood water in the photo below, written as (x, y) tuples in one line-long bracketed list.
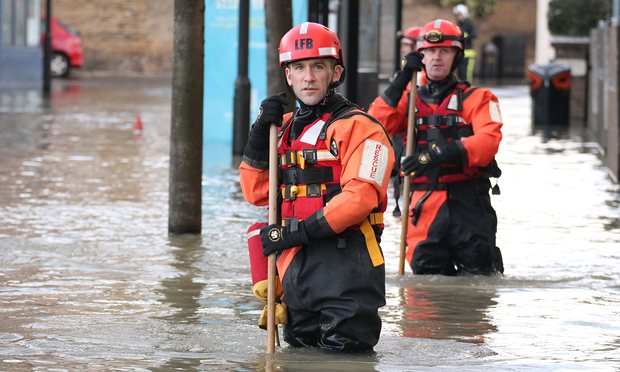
[(407, 43), (335, 163), (452, 225)]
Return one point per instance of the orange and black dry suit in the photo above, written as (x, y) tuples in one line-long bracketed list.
[(334, 171), (453, 226)]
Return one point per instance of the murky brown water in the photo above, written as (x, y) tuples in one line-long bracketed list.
[(90, 279)]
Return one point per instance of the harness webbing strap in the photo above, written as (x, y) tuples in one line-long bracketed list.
[(294, 176), (417, 210), (371, 243), (293, 158), (376, 218)]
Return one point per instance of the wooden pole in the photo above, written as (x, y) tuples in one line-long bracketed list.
[(271, 261), (278, 20), (406, 183)]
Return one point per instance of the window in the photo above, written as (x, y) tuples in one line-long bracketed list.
[(19, 22)]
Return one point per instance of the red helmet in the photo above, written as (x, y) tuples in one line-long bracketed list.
[(309, 40), (411, 34), (440, 33)]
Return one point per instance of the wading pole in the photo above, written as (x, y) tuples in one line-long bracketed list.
[(271, 261), (406, 183)]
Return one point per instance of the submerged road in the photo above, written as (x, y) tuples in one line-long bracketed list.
[(90, 279)]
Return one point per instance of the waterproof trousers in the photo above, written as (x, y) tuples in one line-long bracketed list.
[(454, 231), (333, 292)]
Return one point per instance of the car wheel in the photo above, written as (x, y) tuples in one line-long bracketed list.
[(59, 65)]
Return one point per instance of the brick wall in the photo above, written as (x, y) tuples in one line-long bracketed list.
[(137, 35), (511, 18), (122, 35)]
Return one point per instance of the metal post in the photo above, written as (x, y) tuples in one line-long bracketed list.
[(349, 19), (185, 198), (318, 11), (47, 49), (241, 112), (398, 18)]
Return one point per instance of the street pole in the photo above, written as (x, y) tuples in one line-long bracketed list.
[(398, 18), (241, 112), (185, 182), (348, 29), (47, 49)]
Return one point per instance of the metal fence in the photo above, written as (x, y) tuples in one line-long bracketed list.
[(603, 120)]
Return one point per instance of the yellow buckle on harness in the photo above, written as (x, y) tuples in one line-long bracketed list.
[(306, 156), (289, 192), (314, 190), (289, 158)]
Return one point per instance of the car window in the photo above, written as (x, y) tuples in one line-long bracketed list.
[(69, 29)]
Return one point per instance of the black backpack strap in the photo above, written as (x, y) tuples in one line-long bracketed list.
[(338, 113), (285, 125), (468, 92)]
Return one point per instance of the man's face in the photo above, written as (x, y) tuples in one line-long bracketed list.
[(311, 78), (438, 61)]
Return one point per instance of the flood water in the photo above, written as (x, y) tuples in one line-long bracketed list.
[(90, 279)]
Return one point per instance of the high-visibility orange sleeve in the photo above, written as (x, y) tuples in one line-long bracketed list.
[(254, 184), (394, 119), (367, 158), (481, 109)]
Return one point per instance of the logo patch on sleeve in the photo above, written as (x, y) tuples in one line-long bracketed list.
[(374, 162), (333, 148)]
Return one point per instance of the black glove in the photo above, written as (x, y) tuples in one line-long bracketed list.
[(410, 63), (276, 238), (256, 152), (271, 111), (423, 161)]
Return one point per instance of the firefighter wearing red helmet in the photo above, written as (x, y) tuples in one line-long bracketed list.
[(334, 164), (452, 225), (408, 39)]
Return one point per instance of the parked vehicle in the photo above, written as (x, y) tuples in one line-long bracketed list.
[(67, 50)]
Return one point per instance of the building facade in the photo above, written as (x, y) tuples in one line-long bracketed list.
[(20, 52)]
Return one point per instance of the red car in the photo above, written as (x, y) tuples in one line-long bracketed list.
[(67, 50)]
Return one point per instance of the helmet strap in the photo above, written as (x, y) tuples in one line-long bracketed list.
[(457, 60)]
